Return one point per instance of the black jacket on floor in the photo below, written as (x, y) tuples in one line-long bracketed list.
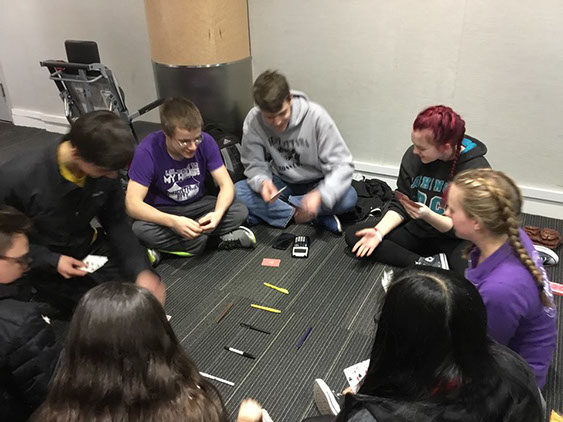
[(28, 355)]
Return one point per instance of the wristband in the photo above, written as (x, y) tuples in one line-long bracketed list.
[(378, 234)]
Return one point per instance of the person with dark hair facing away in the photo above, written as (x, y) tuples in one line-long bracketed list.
[(414, 229), (485, 206), (166, 192), (433, 361), (123, 362), (62, 188), (28, 351), (296, 163)]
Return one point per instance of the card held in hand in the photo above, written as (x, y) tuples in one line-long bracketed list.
[(93, 263)]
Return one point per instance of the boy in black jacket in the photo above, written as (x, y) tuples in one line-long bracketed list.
[(62, 188), (28, 351)]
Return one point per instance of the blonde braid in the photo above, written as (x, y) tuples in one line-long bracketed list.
[(508, 199), (514, 238)]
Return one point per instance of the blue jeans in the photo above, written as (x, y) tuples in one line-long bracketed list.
[(279, 213)]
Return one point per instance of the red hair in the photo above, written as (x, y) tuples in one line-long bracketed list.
[(446, 125)]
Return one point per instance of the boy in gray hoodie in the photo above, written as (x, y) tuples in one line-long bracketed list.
[(296, 163)]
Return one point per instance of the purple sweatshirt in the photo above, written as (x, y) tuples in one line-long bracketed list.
[(515, 314)]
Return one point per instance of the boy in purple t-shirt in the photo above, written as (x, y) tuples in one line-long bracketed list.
[(166, 193)]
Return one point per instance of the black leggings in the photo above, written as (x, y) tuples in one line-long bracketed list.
[(401, 248)]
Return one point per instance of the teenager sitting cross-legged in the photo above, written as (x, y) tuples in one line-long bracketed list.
[(166, 193), (414, 229)]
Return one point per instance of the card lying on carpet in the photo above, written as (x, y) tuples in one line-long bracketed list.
[(557, 288), (93, 263), (271, 262)]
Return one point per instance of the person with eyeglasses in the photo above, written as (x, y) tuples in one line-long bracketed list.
[(166, 192), (28, 349)]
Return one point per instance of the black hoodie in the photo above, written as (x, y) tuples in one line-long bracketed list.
[(426, 183), (511, 395)]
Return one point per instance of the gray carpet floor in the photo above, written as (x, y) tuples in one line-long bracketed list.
[(331, 291)]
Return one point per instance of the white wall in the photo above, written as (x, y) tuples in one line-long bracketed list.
[(35, 30), (372, 64), (375, 64)]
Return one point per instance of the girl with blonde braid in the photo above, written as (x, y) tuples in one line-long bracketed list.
[(484, 206)]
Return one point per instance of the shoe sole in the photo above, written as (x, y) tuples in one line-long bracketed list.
[(444, 261), (250, 234), (266, 416), (338, 224), (553, 257), (324, 399)]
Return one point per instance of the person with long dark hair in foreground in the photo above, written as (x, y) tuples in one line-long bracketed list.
[(123, 362), (432, 360)]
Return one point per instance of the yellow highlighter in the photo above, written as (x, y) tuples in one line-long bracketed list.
[(279, 289), (264, 308)]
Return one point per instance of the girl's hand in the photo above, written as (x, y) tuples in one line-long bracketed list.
[(416, 210), (249, 411), (368, 242)]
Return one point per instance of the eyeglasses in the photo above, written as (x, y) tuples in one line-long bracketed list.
[(187, 142), (24, 260)]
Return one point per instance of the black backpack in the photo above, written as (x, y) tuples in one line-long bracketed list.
[(230, 148), (373, 198)]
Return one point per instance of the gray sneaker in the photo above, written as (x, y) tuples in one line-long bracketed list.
[(440, 260), (325, 399), (242, 237)]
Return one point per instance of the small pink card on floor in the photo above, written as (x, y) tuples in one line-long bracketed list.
[(271, 262), (557, 288)]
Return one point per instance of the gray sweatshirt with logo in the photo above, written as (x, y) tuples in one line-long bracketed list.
[(310, 148)]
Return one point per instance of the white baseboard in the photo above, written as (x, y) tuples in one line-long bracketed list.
[(31, 118), (537, 200)]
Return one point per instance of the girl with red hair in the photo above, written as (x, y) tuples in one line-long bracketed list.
[(414, 229)]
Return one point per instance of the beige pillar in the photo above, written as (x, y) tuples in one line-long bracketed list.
[(201, 49)]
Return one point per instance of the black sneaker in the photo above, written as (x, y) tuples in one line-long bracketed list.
[(439, 261), (325, 398), (242, 237), (547, 256)]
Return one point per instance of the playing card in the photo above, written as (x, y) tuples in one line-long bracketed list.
[(405, 199), (557, 288), (93, 263), (355, 373), (271, 262)]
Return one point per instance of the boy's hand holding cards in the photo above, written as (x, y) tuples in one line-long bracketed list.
[(93, 263)]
